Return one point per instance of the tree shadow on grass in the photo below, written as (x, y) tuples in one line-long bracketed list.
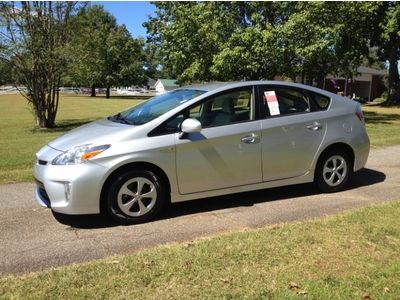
[(376, 118), (65, 125), (364, 177)]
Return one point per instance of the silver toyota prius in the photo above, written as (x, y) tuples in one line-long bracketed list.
[(202, 141)]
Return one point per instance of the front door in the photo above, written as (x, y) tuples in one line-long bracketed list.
[(227, 152)]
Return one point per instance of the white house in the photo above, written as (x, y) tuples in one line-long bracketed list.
[(163, 85)]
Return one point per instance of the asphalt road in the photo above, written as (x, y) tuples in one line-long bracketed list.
[(31, 239)]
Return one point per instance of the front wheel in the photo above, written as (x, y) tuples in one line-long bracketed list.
[(135, 197), (333, 171)]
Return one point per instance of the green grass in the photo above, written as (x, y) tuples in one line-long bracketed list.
[(348, 256), (383, 125), (20, 140)]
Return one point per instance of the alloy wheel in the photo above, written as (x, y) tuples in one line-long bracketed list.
[(137, 196), (335, 170)]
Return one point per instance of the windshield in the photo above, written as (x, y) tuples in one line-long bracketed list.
[(155, 107)]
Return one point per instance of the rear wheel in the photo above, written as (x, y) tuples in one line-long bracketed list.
[(135, 197), (333, 171)]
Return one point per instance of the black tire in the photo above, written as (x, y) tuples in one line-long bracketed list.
[(125, 202), (333, 171)]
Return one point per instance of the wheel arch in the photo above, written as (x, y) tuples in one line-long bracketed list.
[(337, 146), (134, 165)]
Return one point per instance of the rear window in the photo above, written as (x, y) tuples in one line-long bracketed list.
[(321, 101)]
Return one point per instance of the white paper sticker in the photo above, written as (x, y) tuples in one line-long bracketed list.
[(272, 101)]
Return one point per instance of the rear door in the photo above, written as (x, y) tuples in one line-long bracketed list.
[(292, 131)]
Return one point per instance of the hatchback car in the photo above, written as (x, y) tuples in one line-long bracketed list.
[(202, 141)]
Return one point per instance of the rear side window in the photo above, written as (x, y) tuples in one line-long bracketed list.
[(321, 101), (283, 101)]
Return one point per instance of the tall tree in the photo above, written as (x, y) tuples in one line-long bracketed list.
[(33, 40), (385, 32), (124, 59), (259, 40), (88, 49), (104, 54), (188, 35)]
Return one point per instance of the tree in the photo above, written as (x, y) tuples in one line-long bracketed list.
[(88, 48), (188, 35), (5, 72), (104, 54), (324, 37), (152, 66), (258, 40), (200, 41), (33, 41), (124, 59), (385, 32)]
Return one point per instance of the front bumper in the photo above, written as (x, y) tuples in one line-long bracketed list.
[(70, 189)]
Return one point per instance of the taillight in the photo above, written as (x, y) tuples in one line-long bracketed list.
[(359, 113)]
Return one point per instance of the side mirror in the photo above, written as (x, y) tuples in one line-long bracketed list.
[(189, 126)]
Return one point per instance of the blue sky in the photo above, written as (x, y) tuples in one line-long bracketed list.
[(130, 13)]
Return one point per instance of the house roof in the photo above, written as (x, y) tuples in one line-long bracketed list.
[(168, 82), (366, 70)]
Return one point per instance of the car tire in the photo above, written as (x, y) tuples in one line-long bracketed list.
[(135, 197), (333, 171)]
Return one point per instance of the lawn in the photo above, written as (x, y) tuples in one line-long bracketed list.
[(383, 125), (354, 255), (20, 140)]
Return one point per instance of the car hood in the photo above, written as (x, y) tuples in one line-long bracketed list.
[(98, 132)]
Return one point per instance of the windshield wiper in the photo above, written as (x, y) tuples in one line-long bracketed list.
[(119, 118)]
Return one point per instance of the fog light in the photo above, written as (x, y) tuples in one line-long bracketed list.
[(67, 191)]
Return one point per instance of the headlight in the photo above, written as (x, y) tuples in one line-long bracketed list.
[(79, 154)]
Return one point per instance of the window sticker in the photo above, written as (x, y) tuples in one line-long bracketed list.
[(272, 102)]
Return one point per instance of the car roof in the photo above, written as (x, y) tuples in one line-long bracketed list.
[(208, 87)]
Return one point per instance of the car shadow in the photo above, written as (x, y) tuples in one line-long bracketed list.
[(364, 177)]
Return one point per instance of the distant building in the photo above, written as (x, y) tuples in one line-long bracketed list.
[(366, 85), (163, 85)]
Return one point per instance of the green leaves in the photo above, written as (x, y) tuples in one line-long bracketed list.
[(104, 54), (33, 40), (259, 40)]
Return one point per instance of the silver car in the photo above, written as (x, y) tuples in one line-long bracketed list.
[(202, 141)]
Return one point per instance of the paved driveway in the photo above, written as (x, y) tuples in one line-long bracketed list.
[(31, 239)]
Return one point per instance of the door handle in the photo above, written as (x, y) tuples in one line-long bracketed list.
[(251, 139), (314, 126)]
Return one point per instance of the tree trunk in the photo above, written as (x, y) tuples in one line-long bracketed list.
[(394, 81), (108, 92), (93, 92), (46, 106)]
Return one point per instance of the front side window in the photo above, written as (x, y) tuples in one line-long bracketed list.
[(155, 107), (223, 109), (279, 101)]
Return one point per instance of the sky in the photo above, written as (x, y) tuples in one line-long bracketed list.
[(130, 13)]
